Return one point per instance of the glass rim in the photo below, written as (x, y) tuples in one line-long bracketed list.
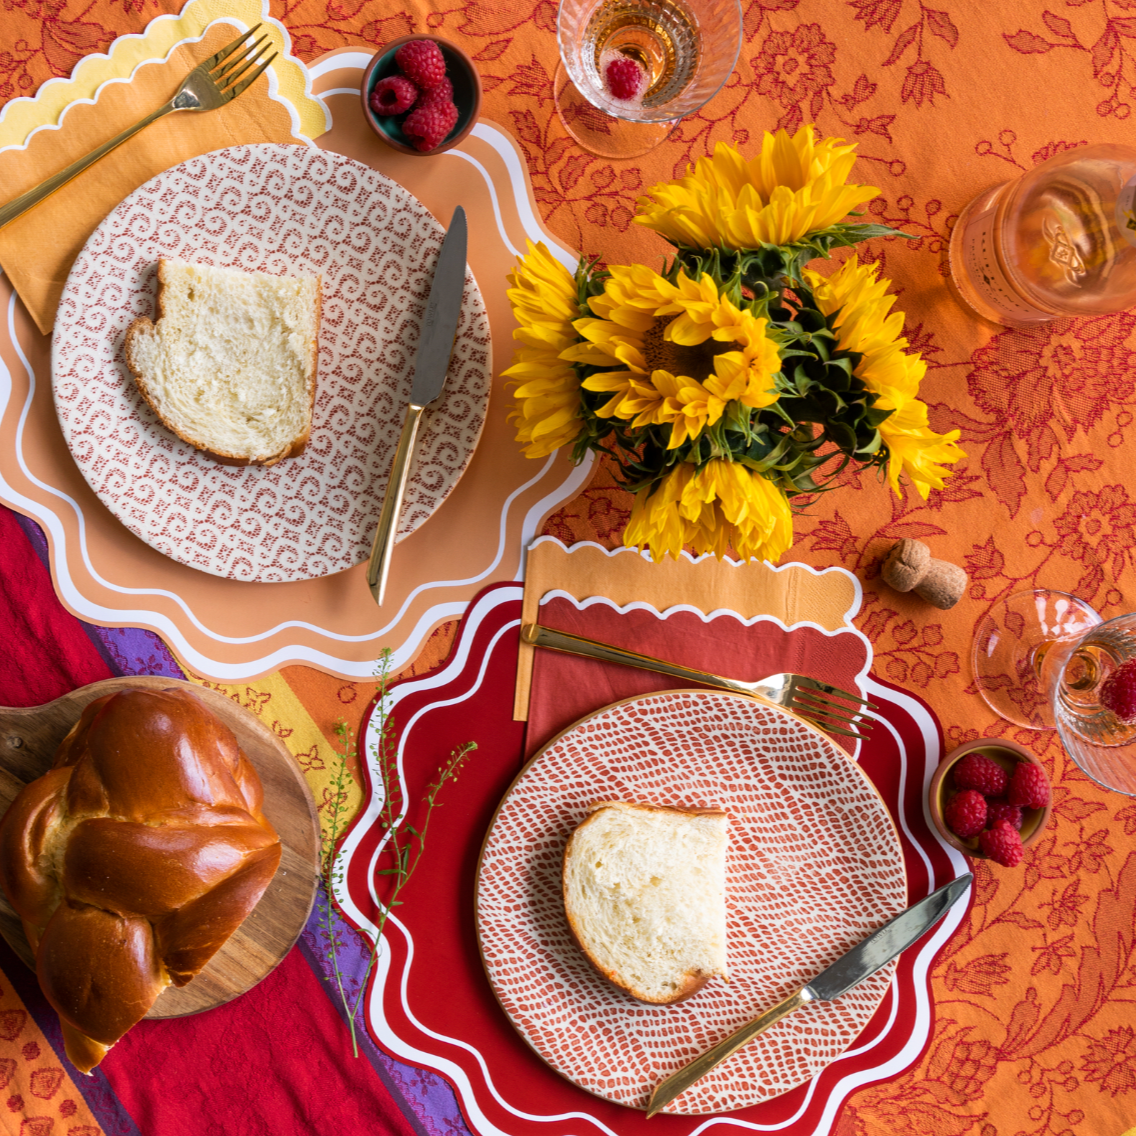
[(611, 106)]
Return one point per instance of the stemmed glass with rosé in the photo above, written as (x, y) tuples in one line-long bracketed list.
[(631, 69), (1046, 660)]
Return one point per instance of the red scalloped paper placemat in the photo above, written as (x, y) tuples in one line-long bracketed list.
[(429, 1000)]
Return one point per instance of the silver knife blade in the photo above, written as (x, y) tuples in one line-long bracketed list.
[(862, 961), (440, 323), (884, 944), (436, 344)]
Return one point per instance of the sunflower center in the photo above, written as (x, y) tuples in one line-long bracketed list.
[(695, 362)]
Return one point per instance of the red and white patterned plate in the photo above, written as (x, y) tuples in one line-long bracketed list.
[(814, 865), (289, 210)]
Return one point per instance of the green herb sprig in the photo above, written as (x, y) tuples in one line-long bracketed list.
[(402, 843)]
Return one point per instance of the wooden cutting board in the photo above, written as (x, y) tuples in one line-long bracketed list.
[(28, 741)]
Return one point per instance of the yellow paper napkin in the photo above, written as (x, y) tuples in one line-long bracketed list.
[(37, 249)]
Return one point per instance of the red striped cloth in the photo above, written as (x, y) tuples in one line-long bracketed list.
[(275, 1062), (46, 651)]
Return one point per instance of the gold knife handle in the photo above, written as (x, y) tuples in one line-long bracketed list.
[(46, 188), (678, 1083), (576, 645), (387, 529)]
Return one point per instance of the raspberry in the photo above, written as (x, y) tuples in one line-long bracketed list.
[(1002, 810), (1029, 786), (422, 63), (1118, 693), (965, 813), (977, 771), (393, 95), (1002, 844), (442, 93), (624, 78), (429, 125)]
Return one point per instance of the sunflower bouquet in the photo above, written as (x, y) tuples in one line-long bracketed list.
[(736, 378)]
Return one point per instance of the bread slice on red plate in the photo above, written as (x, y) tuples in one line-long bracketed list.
[(645, 896), (230, 364)]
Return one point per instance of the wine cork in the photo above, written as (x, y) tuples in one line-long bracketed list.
[(909, 566)]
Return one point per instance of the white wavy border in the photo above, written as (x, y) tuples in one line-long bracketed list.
[(456, 1074), (196, 660), (488, 134), (233, 21), (850, 613)]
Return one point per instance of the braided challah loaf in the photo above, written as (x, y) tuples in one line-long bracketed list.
[(133, 859)]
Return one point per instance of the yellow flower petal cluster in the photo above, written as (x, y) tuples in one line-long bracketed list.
[(637, 316), (863, 324), (547, 406), (793, 187), (724, 505)]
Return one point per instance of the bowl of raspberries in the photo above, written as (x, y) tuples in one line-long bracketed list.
[(990, 798), (421, 94)]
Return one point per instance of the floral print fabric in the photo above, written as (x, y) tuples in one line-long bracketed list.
[(1033, 996)]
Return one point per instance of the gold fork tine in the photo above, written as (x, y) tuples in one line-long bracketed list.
[(226, 51), (806, 697), (244, 84), (225, 74), (817, 687), (828, 720)]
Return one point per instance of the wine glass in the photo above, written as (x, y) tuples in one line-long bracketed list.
[(1040, 659), (685, 50)]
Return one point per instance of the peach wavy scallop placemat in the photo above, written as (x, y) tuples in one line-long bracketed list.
[(228, 630)]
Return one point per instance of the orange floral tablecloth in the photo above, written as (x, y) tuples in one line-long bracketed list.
[(1035, 995)]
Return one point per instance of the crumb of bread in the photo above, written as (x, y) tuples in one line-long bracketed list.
[(230, 364)]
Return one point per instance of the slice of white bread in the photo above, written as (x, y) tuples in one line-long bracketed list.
[(230, 365), (645, 896)]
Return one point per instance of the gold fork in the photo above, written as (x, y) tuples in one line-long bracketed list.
[(807, 697), (207, 87)]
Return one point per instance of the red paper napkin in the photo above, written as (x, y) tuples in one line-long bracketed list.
[(565, 688)]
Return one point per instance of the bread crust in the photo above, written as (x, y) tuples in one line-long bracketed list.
[(134, 858), (691, 982), (143, 324)]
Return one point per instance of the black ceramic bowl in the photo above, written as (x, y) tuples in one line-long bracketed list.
[(467, 95)]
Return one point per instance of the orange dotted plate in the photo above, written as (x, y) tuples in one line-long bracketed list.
[(814, 865)]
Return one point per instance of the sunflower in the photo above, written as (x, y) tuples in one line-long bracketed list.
[(545, 302), (720, 506), (793, 187), (859, 305), (675, 354)]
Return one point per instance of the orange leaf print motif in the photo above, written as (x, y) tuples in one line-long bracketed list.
[(980, 975), (1066, 910), (795, 70), (1051, 957), (1111, 1061), (962, 1064), (922, 80), (1100, 970), (1109, 55)]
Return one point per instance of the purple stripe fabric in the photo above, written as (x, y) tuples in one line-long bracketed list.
[(125, 650), (432, 1103)]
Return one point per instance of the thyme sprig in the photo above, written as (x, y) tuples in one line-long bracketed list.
[(401, 842)]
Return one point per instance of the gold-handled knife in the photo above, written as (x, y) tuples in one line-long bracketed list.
[(862, 961), (439, 326)]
